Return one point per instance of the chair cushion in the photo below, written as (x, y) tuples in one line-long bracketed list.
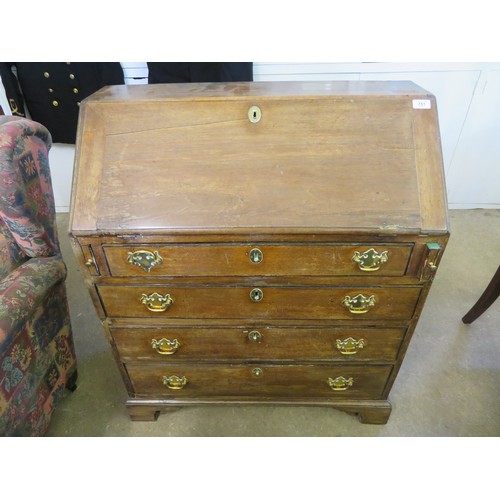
[(35, 367), (24, 290)]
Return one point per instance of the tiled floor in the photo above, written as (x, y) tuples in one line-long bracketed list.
[(449, 384)]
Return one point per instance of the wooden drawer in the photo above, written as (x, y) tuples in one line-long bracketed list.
[(278, 302), (240, 381), (259, 259), (256, 344)]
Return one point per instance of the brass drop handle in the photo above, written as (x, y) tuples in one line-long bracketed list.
[(156, 302), (370, 260), (359, 304), (174, 382), (165, 346), (340, 383), (90, 262), (144, 259), (255, 336), (349, 346)]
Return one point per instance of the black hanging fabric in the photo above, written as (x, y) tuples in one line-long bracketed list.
[(51, 92), (184, 72)]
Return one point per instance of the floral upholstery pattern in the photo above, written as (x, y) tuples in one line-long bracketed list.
[(37, 357), (26, 193), (11, 255)]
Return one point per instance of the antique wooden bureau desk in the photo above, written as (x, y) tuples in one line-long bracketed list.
[(259, 243)]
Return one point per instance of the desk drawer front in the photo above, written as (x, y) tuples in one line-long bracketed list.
[(246, 344), (261, 260), (238, 302), (301, 381)]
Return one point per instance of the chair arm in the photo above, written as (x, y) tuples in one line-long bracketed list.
[(24, 289)]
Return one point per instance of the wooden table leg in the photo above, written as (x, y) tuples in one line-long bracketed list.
[(487, 298)]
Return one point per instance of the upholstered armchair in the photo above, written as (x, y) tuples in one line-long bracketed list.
[(37, 357)]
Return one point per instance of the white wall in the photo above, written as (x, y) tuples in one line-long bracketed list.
[(468, 99)]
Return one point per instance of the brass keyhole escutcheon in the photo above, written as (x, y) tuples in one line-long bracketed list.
[(257, 372), (256, 295), (255, 336), (254, 114), (256, 256)]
